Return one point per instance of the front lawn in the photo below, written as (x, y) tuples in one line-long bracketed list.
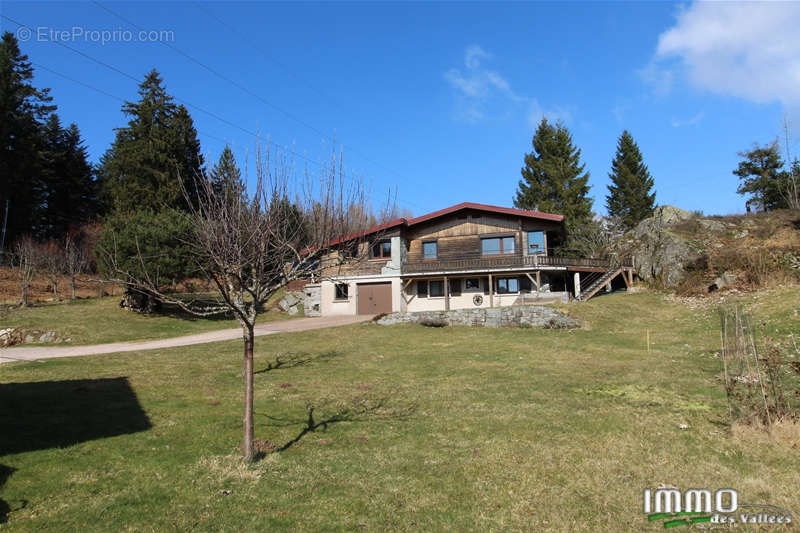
[(428, 429), (101, 320)]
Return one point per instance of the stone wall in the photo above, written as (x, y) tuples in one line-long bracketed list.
[(531, 316), (312, 299)]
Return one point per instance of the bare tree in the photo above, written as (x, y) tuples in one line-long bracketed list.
[(25, 258), (76, 261), (251, 246), (52, 263)]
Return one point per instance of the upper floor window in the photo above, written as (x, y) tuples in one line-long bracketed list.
[(536, 242), (382, 250), (430, 250), (497, 245)]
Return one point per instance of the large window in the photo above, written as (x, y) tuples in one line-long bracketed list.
[(536, 242), (507, 285), (341, 291), (382, 250), (497, 245), (430, 250)]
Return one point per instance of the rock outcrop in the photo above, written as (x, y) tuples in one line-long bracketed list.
[(660, 253)]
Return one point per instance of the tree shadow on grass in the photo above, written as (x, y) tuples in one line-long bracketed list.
[(322, 413), (291, 360), (54, 414)]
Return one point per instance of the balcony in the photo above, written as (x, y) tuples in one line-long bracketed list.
[(512, 261)]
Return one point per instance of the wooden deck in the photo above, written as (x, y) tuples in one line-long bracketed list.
[(514, 261)]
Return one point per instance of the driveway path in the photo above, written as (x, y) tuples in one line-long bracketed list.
[(32, 353)]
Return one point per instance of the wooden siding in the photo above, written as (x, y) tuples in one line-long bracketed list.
[(459, 237)]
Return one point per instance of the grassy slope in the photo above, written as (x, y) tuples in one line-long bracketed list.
[(514, 430), (101, 320)]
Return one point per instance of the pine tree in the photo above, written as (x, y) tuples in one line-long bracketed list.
[(629, 200), (762, 177), (67, 186), (554, 179), (23, 109), (155, 155), (225, 175)]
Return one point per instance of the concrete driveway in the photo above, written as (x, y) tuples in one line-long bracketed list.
[(33, 353)]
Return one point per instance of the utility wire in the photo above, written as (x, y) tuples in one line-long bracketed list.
[(249, 92), (180, 100)]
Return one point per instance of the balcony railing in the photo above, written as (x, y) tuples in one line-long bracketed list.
[(517, 260)]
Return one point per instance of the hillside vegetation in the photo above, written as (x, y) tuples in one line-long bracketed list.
[(695, 255)]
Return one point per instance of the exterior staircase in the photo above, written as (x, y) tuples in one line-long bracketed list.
[(597, 281)]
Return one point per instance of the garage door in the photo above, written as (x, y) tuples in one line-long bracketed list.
[(374, 298)]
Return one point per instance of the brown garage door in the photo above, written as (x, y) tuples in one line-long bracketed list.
[(374, 298)]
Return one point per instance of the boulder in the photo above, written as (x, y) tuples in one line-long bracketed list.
[(659, 253)]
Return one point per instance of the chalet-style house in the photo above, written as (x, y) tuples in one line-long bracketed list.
[(465, 256)]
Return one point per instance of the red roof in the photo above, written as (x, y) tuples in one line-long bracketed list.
[(452, 209), (487, 208)]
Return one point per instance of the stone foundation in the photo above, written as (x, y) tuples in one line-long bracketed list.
[(520, 316)]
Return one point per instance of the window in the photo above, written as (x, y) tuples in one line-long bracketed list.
[(382, 250), (341, 291), (455, 287), (430, 250), (436, 288), (472, 284), (507, 285), (422, 288), (536, 242), (497, 245)]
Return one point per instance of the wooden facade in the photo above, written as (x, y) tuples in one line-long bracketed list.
[(464, 243)]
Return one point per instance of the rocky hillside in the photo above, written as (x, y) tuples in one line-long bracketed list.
[(693, 254)]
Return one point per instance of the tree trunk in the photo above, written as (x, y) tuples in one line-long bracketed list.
[(24, 298), (72, 284), (247, 445)]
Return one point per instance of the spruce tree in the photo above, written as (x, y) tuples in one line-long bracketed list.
[(225, 175), (553, 178), (155, 155), (629, 200), (67, 186), (23, 109)]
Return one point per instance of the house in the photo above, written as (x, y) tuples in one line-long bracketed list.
[(465, 256)]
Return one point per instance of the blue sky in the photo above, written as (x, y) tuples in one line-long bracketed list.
[(439, 100)]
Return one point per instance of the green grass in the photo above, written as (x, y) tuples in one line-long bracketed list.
[(450, 429), (101, 320)]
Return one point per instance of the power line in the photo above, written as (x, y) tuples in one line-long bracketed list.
[(248, 91), (180, 100), (105, 93)]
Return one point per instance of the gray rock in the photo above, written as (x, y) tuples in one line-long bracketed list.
[(659, 253), (47, 336), (725, 280), (712, 225)]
